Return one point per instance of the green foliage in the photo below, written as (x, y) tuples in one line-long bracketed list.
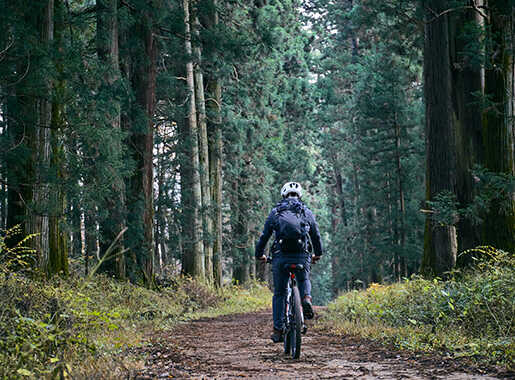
[(66, 327), (470, 315), (444, 208), (17, 257), (370, 112), (492, 190)]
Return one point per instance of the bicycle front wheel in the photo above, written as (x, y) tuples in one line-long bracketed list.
[(296, 328)]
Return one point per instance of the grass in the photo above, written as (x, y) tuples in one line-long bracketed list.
[(471, 315), (92, 328)]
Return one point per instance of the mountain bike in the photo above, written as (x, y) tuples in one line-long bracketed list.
[(294, 325), (293, 318)]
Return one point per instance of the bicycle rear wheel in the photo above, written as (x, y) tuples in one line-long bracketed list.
[(296, 327), (287, 341)]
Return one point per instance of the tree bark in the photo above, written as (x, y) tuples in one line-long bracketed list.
[(215, 162), (466, 79), (38, 212), (138, 64), (401, 228), (197, 261), (439, 241), (90, 230), (58, 241), (30, 113), (207, 220), (498, 124), (108, 54)]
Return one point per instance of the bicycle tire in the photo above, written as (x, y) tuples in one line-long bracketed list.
[(287, 341), (287, 324), (296, 329)]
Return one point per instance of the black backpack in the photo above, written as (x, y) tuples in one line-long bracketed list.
[(292, 228)]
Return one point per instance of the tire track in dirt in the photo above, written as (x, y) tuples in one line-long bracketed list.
[(238, 346)]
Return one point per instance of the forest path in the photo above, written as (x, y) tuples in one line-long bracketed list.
[(238, 346)]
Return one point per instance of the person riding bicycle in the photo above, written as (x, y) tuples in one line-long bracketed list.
[(285, 216)]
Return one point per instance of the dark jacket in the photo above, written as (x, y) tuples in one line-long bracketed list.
[(271, 227)]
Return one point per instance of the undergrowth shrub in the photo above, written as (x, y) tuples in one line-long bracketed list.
[(86, 328), (472, 314)]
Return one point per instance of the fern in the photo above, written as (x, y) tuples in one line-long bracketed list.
[(19, 257)]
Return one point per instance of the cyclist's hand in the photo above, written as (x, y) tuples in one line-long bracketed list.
[(315, 258), (262, 258)]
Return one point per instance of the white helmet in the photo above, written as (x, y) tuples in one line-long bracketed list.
[(291, 187)]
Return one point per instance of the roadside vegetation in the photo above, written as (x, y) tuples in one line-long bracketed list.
[(470, 314), (80, 328)]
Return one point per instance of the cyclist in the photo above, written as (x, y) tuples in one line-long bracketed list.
[(291, 194)]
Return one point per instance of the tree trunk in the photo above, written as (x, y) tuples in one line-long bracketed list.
[(108, 54), (140, 192), (58, 240), (197, 261), (76, 230), (439, 241), (466, 79), (90, 230), (401, 228), (3, 201), (30, 113), (159, 223), (207, 220), (498, 130), (239, 230), (38, 212), (215, 162)]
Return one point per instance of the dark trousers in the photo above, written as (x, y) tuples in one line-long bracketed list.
[(281, 277)]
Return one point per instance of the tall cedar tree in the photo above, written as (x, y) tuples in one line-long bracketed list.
[(440, 246), (108, 55)]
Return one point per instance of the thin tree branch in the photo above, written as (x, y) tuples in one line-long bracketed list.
[(438, 15), (214, 101), (7, 48)]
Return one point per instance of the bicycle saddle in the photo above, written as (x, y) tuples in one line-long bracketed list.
[(293, 267)]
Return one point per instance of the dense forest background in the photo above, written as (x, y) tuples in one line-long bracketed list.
[(148, 138)]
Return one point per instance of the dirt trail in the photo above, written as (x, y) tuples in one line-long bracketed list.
[(238, 346)]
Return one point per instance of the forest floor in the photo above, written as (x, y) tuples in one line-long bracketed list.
[(238, 346)]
